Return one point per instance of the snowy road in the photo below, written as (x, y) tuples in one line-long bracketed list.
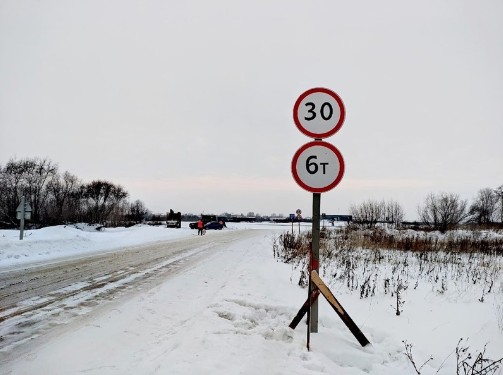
[(40, 296), (221, 304)]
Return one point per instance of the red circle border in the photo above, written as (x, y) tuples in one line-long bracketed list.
[(330, 132), (322, 189)]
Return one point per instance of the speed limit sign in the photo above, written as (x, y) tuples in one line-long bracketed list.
[(319, 113), (318, 166)]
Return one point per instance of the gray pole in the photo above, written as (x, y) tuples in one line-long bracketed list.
[(22, 218), (316, 254)]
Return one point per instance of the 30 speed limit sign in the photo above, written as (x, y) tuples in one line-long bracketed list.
[(318, 166), (319, 113)]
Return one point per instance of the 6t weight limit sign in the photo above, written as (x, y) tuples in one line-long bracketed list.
[(318, 167)]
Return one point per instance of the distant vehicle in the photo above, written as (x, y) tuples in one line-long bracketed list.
[(213, 225), (173, 219), (206, 219)]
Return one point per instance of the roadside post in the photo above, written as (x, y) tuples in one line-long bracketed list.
[(299, 217), (318, 167), (23, 212)]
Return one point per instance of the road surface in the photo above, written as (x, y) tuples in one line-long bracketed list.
[(38, 297)]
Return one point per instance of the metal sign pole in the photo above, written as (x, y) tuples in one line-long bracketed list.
[(315, 255), (22, 218), (309, 301)]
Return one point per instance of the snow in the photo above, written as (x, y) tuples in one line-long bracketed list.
[(76, 240), (230, 315)]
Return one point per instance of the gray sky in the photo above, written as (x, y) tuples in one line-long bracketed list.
[(188, 104)]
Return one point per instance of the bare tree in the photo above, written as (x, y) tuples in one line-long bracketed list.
[(118, 213), (137, 211), (12, 182), (64, 198), (57, 198), (103, 197), (38, 173), (28, 177), (443, 211), (394, 212), (368, 213), (499, 194), (6, 196), (483, 209)]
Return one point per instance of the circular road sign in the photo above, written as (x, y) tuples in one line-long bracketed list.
[(318, 166), (319, 113)]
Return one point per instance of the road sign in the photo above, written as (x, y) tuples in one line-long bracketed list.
[(318, 166), (319, 113), (26, 212)]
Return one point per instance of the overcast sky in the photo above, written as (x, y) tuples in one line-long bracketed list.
[(188, 104)]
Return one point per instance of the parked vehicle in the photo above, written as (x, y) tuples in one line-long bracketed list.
[(173, 219), (206, 219), (213, 225)]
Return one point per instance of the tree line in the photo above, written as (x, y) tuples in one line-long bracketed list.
[(441, 211), (60, 197)]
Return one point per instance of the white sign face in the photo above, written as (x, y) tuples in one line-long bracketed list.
[(27, 215), (318, 166), (27, 207), (319, 113)]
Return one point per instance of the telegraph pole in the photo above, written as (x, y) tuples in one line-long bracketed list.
[(22, 218)]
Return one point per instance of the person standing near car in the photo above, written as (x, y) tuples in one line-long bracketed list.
[(200, 227)]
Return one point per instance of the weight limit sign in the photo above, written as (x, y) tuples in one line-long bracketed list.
[(318, 167)]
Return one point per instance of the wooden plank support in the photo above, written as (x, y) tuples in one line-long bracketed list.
[(304, 309), (315, 278)]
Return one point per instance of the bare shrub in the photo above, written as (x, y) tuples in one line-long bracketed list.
[(443, 211), (401, 285), (465, 242), (410, 357), (373, 261), (466, 363), (368, 213), (481, 365)]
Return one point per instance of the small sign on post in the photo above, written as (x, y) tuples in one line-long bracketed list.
[(299, 217), (23, 212)]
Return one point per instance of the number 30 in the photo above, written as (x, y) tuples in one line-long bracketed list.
[(326, 111)]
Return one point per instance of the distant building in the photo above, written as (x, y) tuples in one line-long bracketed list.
[(334, 218)]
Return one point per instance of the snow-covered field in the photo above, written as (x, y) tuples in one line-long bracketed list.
[(230, 315)]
